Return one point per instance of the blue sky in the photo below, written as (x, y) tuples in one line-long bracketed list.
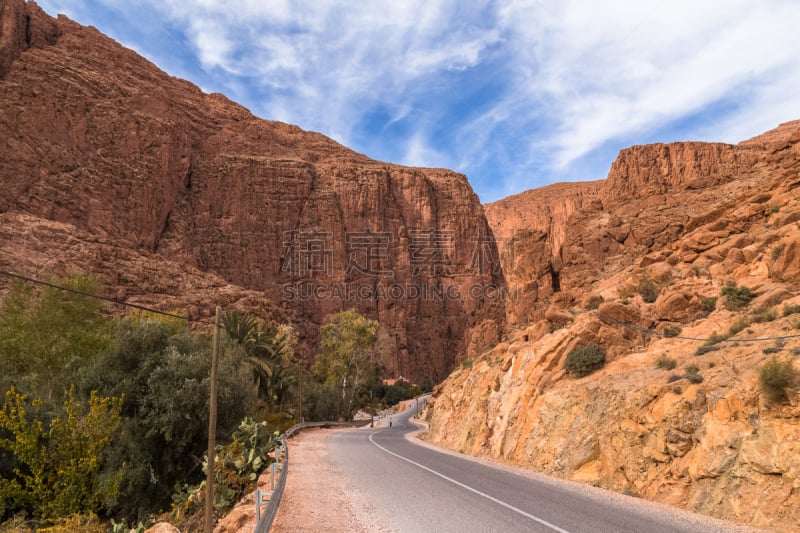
[(515, 94)]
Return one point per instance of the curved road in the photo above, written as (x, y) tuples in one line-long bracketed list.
[(415, 488)]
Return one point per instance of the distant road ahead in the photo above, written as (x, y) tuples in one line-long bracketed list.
[(417, 489)]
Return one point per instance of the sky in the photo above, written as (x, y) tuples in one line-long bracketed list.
[(515, 94)]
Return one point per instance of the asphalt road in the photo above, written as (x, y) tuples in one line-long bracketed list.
[(417, 489)]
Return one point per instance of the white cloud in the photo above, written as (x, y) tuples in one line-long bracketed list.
[(567, 79), (420, 153), (334, 59), (614, 70)]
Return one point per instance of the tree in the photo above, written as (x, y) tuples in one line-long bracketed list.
[(47, 333), (347, 356), (58, 463), (268, 350), (162, 369)]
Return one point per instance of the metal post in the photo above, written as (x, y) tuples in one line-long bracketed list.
[(212, 427)]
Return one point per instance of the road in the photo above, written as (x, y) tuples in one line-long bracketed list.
[(415, 488)]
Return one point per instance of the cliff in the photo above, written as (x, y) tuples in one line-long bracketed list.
[(530, 229), (96, 138), (670, 227)]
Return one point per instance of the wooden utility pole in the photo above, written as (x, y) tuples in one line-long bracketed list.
[(212, 426)]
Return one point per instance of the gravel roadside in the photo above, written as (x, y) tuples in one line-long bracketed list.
[(317, 497)]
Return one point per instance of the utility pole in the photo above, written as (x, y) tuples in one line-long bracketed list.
[(212, 427)]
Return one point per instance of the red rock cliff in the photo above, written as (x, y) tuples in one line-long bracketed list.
[(94, 136), (530, 229)]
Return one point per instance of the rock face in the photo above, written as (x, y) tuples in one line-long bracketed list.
[(97, 138), (670, 227), (530, 229)]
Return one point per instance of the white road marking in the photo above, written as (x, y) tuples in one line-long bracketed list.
[(467, 487)]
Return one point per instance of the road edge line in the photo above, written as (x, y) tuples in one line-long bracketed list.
[(467, 487)]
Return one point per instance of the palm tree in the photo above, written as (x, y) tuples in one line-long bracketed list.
[(265, 350)]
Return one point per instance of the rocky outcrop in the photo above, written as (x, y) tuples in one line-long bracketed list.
[(634, 264), (655, 169), (44, 249), (782, 134), (97, 138), (530, 229)]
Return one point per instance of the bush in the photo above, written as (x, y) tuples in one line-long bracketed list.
[(58, 463), (709, 303), (706, 348), (736, 298), (776, 376), (776, 251), (694, 378), (790, 309), (649, 290), (771, 350), (738, 325), (693, 374), (764, 314), (666, 363), (162, 370), (674, 377), (583, 361), (672, 331)]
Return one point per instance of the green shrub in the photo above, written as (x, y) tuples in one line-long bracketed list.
[(674, 377), (776, 376), (706, 348), (736, 298), (771, 350), (59, 461), (764, 314), (776, 251), (738, 325), (694, 378), (649, 290), (715, 338), (709, 303), (666, 363), (693, 374), (672, 331), (466, 363), (583, 361), (790, 309)]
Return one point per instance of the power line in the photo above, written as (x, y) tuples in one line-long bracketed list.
[(660, 334), (99, 297)]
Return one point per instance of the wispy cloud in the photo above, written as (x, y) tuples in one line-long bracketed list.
[(515, 93)]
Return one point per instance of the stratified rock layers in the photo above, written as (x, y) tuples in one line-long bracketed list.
[(650, 247), (96, 137)]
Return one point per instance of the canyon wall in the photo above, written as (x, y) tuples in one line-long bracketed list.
[(97, 138), (645, 259)]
